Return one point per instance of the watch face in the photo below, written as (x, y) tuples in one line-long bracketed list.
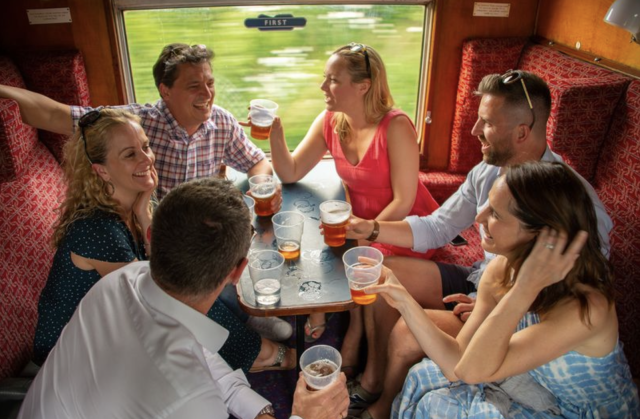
[(268, 410)]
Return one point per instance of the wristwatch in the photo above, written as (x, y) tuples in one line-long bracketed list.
[(268, 410), (376, 230)]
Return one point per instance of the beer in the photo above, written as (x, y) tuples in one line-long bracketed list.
[(335, 216), (260, 132), (335, 235), (289, 249), (359, 297), (261, 114), (360, 276), (264, 194)]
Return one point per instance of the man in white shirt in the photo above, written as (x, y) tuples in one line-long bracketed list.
[(511, 128), (140, 345)]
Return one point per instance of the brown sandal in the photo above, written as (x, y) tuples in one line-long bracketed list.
[(284, 353)]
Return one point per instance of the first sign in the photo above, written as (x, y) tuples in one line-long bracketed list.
[(276, 23)]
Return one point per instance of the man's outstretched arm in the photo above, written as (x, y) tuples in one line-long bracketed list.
[(40, 111)]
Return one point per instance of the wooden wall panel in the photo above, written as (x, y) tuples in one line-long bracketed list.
[(568, 21), (455, 23), (17, 34), (87, 33)]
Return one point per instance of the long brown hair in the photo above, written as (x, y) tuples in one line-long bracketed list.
[(551, 194), (378, 100), (86, 191)]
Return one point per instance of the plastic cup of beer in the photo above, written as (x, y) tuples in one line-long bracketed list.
[(362, 272), (288, 227), (251, 203), (265, 270), (335, 216), (263, 190), (320, 366), (262, 112)]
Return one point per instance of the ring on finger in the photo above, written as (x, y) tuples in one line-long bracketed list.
[(549, 246)]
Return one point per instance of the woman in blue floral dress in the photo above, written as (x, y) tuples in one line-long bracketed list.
[(542, 341)]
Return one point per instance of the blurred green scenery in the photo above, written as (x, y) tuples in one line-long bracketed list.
[(284, 66)]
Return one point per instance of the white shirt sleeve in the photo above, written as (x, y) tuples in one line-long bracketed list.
[(241, 401), (206, 405)]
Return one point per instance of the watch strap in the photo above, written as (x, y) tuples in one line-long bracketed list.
[(376, 230), (268, 410)]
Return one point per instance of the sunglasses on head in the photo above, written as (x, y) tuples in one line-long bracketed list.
[(86, 121), (513, 76), (354, 47)]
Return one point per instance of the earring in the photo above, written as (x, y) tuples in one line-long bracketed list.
[(108, 188)]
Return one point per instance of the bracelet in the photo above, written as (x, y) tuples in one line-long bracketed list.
[(376, 230)]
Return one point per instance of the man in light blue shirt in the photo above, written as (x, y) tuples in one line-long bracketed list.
[(511, 128)]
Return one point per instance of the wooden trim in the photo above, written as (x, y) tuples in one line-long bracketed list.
[(588, 57)]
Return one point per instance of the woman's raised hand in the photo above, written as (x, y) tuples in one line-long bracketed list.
[(394, 293), (550, 259)]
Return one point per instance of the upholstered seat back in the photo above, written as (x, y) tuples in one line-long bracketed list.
[(31, 190), (617, 182)]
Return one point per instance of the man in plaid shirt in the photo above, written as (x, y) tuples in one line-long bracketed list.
[(189, 135)]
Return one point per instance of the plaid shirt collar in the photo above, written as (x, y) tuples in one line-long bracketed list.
[(203, 129)]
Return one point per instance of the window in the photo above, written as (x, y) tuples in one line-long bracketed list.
[(285, 66)]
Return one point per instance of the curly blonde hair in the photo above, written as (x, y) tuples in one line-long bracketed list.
[(378, 100), (86, 191)]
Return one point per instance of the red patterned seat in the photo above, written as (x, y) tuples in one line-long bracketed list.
[(31, 189), (594, 125), (617, 181), (584, 97)]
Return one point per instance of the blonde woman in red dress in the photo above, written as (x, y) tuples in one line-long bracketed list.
[(375, 150)]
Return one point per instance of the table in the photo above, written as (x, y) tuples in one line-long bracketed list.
[(316, 282)]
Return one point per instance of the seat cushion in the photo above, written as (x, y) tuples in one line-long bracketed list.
[(441, 185), (17, 141), (617, 182), (9, 73), (464, 255), (551, 64), (580, 118), (59, 75), (27, 214)]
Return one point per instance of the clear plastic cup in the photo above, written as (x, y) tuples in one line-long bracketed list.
[(335, 217), (362, 273), (251, 203), (262, 112), (265, 270), (288, 227), (320, 365)]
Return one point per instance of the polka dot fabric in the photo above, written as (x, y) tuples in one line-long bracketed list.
[(101, 237)]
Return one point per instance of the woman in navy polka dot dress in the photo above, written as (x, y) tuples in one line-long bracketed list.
[(110, 174), (110, 182)]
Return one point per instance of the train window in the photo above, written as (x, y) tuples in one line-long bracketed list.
[(285, 66)]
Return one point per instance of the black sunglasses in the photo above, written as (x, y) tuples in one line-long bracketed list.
[(86, 121), (354, 47), (512, 76)]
